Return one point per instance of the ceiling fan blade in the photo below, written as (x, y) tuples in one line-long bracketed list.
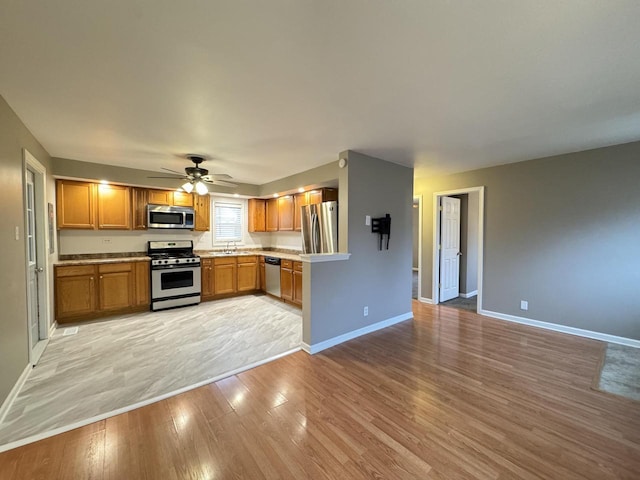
[(221, 183), (172, 171), (173, 178), (215, 176)]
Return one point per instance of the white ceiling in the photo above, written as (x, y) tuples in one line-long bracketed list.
[(271, 88)]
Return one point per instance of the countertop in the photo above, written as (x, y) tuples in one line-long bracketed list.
[(99, 259)]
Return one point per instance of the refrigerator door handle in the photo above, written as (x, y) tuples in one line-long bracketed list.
[(315, 232)]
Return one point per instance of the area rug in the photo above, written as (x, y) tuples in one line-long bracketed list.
[(620, 372)]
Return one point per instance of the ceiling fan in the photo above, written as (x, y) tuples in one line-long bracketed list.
[(197, 177)]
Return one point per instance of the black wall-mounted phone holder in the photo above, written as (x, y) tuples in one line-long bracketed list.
[(382, 226)]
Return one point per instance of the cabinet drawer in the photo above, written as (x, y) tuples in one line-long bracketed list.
[(206, 262), (75, 270), (115, 267), (287, 264), (248, 259), (297, 266), (224, 261)]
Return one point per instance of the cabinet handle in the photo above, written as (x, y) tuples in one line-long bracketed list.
[(100, 276)]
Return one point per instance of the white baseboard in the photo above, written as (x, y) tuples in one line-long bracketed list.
[(97, 418), (469, 295), (318, 347), (425, 300), (53, 328), (605, 337), (6, 405)]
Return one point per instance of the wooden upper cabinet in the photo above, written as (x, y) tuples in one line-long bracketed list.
[(256, 221), (182, 199), (203, 213), (160, 197), (300, 200), (322, 195), (75, 204), (114, 207), (285, 213), (272, 215), (139, 200)]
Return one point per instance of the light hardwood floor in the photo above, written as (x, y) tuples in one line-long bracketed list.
[(448, 395)]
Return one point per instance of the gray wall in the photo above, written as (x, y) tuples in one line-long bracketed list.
[(379, 279), (14, 353), (561, 232)]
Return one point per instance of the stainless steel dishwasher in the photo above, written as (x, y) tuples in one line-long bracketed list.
[(272, 275)]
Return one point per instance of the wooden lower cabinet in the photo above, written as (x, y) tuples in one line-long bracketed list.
[(286, 280), (247, 273), (84, 292), (224, 275), (206, 284), (263, 275), (75, 291), (297, 283)]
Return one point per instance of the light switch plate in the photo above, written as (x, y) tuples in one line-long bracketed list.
[(17, 233), (367, 220), (524, 305)]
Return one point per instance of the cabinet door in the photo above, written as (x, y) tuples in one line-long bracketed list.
[(116, 286), (75, 204), (161, 197), (75, 291), (314, 197), (203, 213), (297, 283), (114, 207), (207, 277), (143, 293), (272, 215), (139, 200), (286, 283), (224, 278), (263, 275), (182, 199), (285, 213), (299, 200), (257, 215), (247, 276)]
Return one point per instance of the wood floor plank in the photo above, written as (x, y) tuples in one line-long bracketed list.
[(450, 394)]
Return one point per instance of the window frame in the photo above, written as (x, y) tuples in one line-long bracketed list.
[(214, 230)]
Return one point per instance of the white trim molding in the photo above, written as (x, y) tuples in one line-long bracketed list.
[(425, 300), (6, 405), (323, 257), (318, 347), (605, 337), (469, 295), (113, 413)]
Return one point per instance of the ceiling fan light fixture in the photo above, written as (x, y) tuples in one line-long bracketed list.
[(187, 187), (201, 188)]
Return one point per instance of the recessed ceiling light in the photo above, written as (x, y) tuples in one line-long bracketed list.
[(236, 195), (301, 189), (104, 182), (275, 195)]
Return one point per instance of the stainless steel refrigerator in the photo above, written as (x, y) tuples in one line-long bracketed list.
[(320, 228)]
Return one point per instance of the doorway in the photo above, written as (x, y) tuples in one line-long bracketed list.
[(416, 265), (36, 255), (458, 219)]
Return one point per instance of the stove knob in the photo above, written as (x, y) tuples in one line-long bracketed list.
[(166, 261)]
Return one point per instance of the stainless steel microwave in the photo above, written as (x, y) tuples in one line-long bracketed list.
[(163, 216)]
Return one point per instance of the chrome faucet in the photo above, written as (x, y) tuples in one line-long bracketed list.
[(235, 247), (227, 249)]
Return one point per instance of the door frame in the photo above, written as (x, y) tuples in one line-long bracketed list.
[(42, 241), (419, 199), (436, 240)]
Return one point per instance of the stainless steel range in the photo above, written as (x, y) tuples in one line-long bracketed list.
[(175, 274)]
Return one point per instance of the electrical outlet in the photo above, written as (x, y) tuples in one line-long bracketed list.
[(524, 305), (106, 241), (365, 312), (17, 233)]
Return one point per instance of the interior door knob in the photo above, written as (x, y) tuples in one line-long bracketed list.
[(39, 269), (459, 254)]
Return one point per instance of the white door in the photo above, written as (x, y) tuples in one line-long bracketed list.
[(36, 336), (450, 249)]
